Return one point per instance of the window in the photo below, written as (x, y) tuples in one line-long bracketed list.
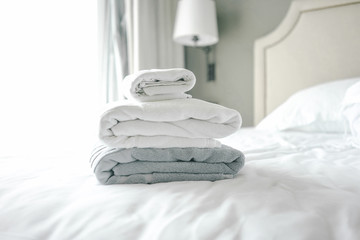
[(48, 76)]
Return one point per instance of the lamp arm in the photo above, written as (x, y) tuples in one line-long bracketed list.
[(210, 62)]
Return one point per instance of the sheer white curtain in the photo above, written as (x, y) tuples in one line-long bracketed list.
[(113, 47), (135, 35), (48, 77), (151, 24)]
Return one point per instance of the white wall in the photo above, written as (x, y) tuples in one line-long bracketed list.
[(240, 22)]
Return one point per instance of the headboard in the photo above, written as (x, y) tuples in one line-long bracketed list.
[(318, 41)]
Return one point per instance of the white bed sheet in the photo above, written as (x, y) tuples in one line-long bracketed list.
[(293, 186)]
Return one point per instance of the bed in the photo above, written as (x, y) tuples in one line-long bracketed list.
[(301, 176)]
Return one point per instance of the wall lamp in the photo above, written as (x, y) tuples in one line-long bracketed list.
[(196, 26)]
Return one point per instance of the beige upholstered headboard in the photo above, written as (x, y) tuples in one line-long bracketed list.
[(318, 41)]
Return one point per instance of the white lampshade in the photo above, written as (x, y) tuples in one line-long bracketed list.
[(195, 23)]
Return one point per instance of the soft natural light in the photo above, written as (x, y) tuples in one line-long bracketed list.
[(48, 76)]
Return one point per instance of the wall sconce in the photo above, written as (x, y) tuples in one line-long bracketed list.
[(196, 26)]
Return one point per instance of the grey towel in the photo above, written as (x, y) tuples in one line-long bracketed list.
[(154, 165)]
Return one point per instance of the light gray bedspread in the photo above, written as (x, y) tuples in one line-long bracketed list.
[(155, 165)]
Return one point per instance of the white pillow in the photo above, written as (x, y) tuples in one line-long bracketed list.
[(316, 109), (351, 112)]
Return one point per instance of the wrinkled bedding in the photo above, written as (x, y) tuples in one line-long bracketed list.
[(293, 186)]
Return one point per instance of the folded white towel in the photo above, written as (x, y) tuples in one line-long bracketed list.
[(171, 123), (158, 84)]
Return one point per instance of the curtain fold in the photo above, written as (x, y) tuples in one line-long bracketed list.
[(113, 55), (135, 35), (152, 29)]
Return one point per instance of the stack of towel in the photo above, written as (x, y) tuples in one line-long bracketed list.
[(161, 134)]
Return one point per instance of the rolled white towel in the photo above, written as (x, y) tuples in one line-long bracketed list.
[(171, 123), (158, 84)]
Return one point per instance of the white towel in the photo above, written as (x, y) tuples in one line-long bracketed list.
[(158, 84), (170, 123)]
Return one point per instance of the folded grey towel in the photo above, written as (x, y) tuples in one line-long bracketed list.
[(154, 165)]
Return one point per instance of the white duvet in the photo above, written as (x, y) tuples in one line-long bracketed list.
[(293, 186)]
